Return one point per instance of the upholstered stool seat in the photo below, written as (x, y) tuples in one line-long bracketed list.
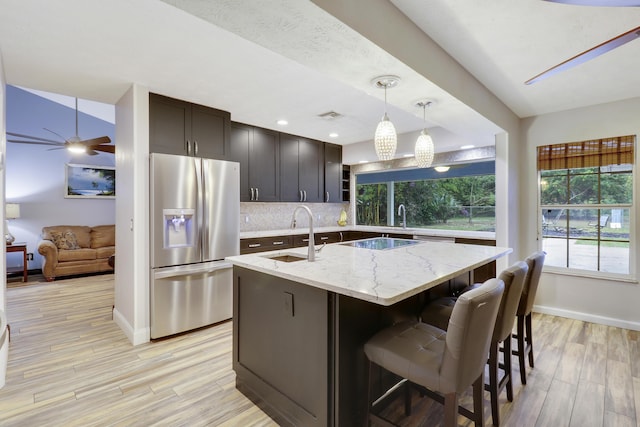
[(439, 311), (524, 336), (443, 362)]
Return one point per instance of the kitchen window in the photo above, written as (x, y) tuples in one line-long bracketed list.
[(462, 198), (586, 204)]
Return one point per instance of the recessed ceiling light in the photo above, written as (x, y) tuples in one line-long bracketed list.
[(333, 135), (466, 147), (282, 122)]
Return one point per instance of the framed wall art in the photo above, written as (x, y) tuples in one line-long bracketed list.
[(90, 181)]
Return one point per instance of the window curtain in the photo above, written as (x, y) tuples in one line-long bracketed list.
[(584, 154)]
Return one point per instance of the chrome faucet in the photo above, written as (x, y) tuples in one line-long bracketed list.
[(312, 250), (404, 215)]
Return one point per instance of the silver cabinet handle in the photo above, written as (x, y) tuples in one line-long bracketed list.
[(327, 198), (253, 194), (305, 195), (305, 240), (324, 238), (301, 199), (254, 245), (278, 243), (257, 194), (188, 147), (341, 237), (195, 148)]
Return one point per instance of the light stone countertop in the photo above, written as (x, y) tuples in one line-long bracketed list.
[(482, 235), (383, 277)]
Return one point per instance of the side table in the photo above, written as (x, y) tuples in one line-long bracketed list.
[(19, 247)]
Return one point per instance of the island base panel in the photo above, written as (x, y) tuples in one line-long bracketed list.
[(281, 347)]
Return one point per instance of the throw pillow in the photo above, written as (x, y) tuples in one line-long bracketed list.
[(64, 240)]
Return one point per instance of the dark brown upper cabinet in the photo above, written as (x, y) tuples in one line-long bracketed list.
[(301, 169), (257, 151), (180, 127), (332, 173)]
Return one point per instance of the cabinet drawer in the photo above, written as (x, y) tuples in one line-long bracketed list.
[(262, 244)]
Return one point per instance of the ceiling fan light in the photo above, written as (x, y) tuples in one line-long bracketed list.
[(77, 148), (385, 139), (424, 150)]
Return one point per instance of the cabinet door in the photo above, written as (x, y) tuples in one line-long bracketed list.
[(169, 125), (311, 170), (289, 187), (239, 152), (209, 132), (264, 163), (332, 173)]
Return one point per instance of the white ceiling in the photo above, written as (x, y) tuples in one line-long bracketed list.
[(268, 59)]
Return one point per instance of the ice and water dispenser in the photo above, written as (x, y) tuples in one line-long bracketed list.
[(179, 228)]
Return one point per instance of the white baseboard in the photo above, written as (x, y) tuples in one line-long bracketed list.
[(136, 337), (587, 317)]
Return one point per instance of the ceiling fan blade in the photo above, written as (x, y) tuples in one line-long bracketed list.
[(588, 55), (603, 3), (105, 148), (96, 141), (35, 142), (19, 135)]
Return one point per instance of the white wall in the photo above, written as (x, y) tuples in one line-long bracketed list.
[(3, 154), (132, 215), (599, 300)]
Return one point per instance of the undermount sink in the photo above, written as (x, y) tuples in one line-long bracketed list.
[(286, 257)]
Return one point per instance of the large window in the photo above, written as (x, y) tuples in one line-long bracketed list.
[(586, 202), (461, 199)]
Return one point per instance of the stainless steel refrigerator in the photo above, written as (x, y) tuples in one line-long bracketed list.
[(195, 224)]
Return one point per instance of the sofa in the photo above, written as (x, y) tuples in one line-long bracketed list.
[(76, 249)]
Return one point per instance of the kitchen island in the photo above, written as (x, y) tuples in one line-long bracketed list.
[(300, 327)]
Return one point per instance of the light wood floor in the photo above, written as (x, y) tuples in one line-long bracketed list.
[(70, 365)]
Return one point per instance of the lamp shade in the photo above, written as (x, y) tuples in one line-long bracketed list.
[(424, 150), (385, 139), (12, 210)]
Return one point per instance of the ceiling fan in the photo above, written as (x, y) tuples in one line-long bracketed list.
[(597, 50), (75, 144)]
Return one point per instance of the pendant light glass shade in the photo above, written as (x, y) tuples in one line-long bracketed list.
[(424, 150), (385, 139)]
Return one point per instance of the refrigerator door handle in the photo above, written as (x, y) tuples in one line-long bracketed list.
[(185, 270)]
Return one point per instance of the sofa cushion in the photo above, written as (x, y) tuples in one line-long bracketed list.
[(77, 255), (64, 239), (105, 252), (81, 232), (103, 235)]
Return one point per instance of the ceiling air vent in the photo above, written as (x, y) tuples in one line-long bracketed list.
[(330, 115)]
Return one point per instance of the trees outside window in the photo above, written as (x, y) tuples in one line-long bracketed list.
[(457, 203), (586, 202)]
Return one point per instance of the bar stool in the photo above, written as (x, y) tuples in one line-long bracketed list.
[(443, 364), (438, 312), (524, 337)]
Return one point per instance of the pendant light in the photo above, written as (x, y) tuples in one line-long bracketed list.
[(424, 150), (385, 139)]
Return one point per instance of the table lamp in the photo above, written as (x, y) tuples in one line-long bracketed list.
[(12, 211)]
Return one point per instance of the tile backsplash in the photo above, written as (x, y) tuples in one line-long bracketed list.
[(256, 216)]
